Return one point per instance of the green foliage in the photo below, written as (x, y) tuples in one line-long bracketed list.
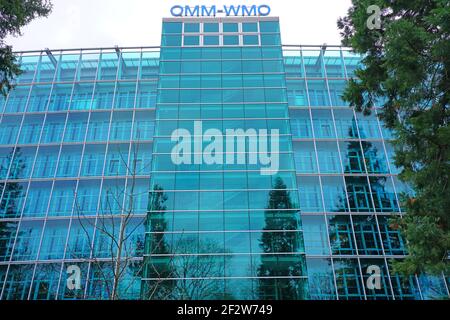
[(15, 14), (406, 69)]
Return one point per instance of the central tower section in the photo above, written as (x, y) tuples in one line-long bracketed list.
[(224, 219)]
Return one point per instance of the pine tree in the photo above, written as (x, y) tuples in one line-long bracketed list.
[(406, 70)]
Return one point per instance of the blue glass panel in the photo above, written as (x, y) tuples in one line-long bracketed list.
[(22, 163), (334, 194), (62, 201), (250, 27), (316, 237), (13, 200), (88, 66), (345, 124), (323, 124), (31, 130), (321, 279), (7, 237), (367, 236), (297, 93), (103, 97), (18, 282), (310, 194), (53, 129), (251, 40), (393, 241), (191, 27), (76, 127), (231, 40), (108, 66), (27, 242), (172, 27), (328, 156), (9, 129), (376, 161), (125, 96), (82, 97), (67, 67), (69, 161), (336, 92), (318, 93), (341, 235), (6, 155), (46, 276), (46, 68), (269, 26), (358, 192), (270, 40), (230, 27), (87, 197), (314, 64), (28, 66), (37, 199), (211, 40), (383, 194), (17, 100), (191, 40), (54, 240), (46, 161), (210, 27), (171, 41), (305, 158)]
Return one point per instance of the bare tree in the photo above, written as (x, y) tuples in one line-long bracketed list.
[(184, 275), (119, 266)]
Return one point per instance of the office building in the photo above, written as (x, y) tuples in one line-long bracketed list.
[(88, 173)]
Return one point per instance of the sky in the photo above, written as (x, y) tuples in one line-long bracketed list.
[(107, 23)]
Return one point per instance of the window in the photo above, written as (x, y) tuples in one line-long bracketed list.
[(230, 27), (53, 130), (210, 27), (251, 40), (301, 128), (45, 164), (341, 235), (315, 233), (69, 163), (250, 27), (75, 130), (270, 39), (172, 27), (30, 132), (269, 26), (231, 40), (93, 162), (171, 41), (191, 27), (191, 40), (62, 200), (211, 40)]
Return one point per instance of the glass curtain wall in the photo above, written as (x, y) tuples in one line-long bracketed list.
[(223, 230), (76, 144)]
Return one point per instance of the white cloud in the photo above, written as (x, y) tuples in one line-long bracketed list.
[(106, 23)]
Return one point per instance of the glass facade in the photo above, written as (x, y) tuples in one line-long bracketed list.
[(76, 140), (85, 153), (245, 226)]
